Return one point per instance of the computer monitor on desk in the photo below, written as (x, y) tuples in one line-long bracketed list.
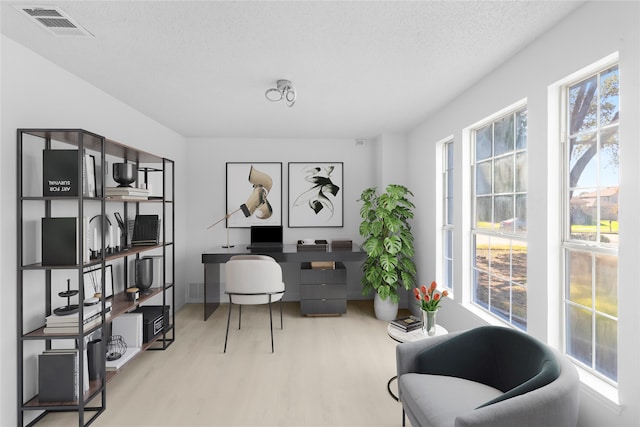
[(265, 238)]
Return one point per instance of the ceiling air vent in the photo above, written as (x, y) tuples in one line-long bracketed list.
[(54, 20)]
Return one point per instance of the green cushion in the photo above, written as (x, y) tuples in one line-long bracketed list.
[(503, 358)]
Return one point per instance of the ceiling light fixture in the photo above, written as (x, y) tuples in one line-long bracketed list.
[(284, 90)]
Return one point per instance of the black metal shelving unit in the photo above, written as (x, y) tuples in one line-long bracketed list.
[(36, 282)]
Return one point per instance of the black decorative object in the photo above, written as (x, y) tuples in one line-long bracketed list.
[(69, 308), (316, 194), (124, 174), (155, 319), (57, 372), (116, 347), (144, 274), (59, 241), (95, 358), (93, 286)]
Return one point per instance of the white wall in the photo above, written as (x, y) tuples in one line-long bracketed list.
[(38, 94), (593, 32), (206, 165)]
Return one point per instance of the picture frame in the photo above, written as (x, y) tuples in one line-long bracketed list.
[(93, 281), (253, 188), (90, 189), (316, 194)]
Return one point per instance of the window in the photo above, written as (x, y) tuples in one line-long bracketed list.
[(590, 238), (447, 214), (499, 223)]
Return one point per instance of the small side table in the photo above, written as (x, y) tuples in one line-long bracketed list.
[(401, 336)]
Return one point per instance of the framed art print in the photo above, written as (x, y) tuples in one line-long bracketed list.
[(93, 282), (254, 193), (90, 171), (316, 194)]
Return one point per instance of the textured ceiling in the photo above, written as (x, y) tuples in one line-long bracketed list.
[(360, 68)]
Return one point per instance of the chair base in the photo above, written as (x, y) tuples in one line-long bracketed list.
[(226, 336)]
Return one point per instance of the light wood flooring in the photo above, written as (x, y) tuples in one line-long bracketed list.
[(326, 371)]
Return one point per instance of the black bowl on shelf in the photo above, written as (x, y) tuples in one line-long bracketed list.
[(124, 174)]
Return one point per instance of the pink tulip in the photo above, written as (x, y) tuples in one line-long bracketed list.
[(433, 286), (423, 288)]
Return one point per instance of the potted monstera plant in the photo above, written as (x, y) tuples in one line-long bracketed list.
[(389, 246)]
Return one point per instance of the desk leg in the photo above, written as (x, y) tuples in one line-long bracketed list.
[(211, 289)]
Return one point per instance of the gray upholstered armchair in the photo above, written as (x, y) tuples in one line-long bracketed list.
[(488, 376)]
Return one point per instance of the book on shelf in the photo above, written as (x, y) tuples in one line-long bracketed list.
[(60, 173), (58, 376), (59, 241), (62, 321), (407, 323), (129, 327), (146, 230), (125, 197), (73, 329), (126, 191)]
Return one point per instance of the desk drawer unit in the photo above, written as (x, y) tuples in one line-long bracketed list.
[(322, 291)]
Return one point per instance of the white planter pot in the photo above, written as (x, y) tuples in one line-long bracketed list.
[(385, 309)]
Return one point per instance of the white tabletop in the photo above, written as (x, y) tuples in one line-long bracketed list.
[(414, 335)]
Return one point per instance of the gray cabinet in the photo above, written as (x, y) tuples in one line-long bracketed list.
[(323, 291)]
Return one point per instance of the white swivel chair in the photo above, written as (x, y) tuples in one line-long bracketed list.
[(252, 282)]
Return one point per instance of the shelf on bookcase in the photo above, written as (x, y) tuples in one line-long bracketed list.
[(132, 250)]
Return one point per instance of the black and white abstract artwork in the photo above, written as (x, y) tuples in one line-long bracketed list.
[(316, 194)]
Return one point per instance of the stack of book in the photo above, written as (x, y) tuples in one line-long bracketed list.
[(56, 324), (407, 323), (127, 193)]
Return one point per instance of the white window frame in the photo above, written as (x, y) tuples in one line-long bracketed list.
[(447, 227), (566, 243), (471, 132)]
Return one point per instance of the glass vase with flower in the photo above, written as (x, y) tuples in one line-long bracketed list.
[(429, 299)]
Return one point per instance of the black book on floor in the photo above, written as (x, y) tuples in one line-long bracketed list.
[(60, 173), (59, 241), (58, 376), (146, 230)]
